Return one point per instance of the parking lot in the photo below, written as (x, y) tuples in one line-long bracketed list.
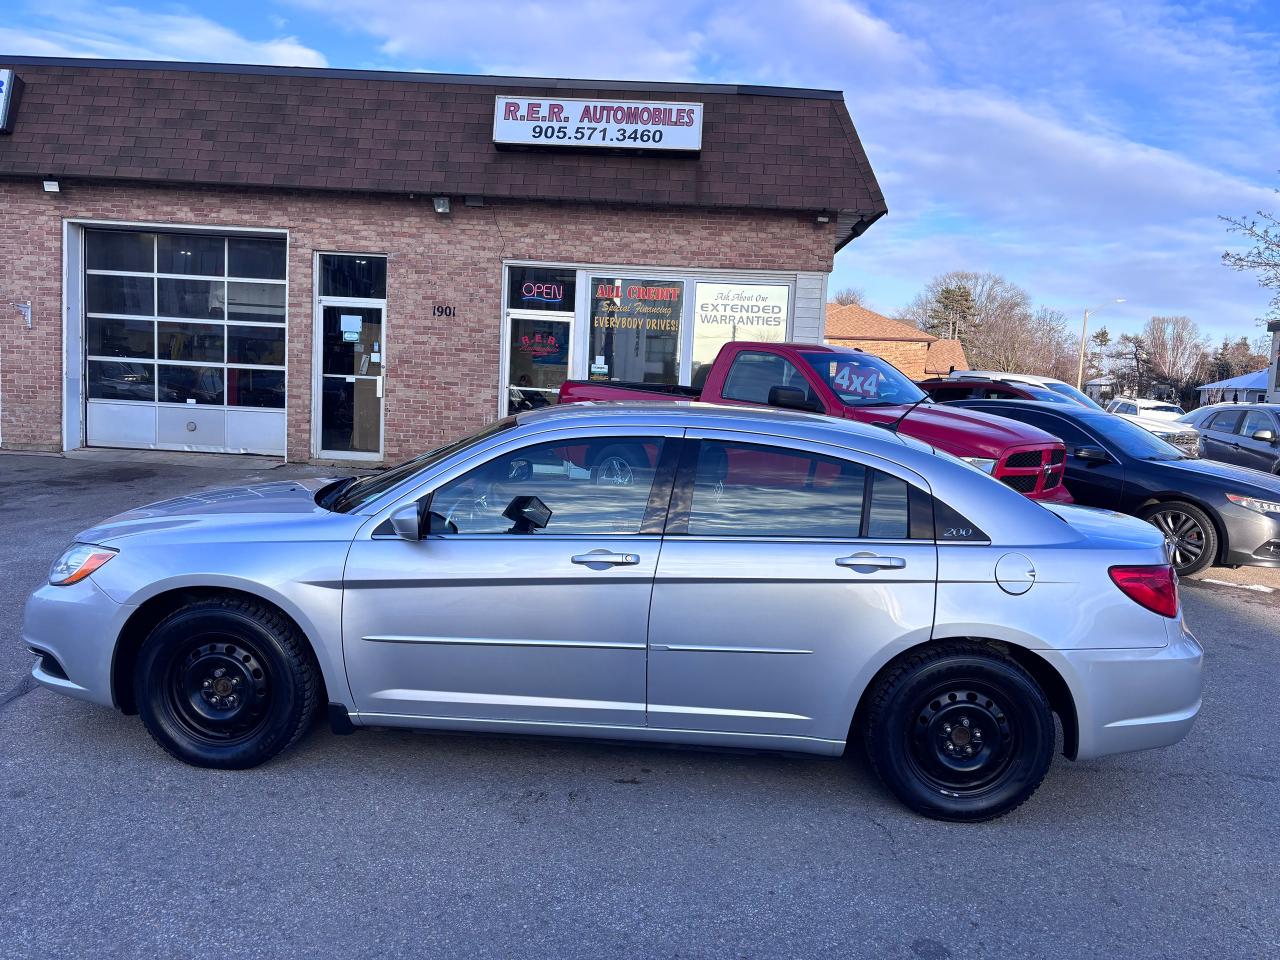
[(389, 843)]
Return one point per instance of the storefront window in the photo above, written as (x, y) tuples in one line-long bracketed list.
[(635, 329), (729, 312), (550, 289)]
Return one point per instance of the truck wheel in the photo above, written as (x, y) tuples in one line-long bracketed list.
[(226, 683), (959, 732), (1192, 537), (617, 465)]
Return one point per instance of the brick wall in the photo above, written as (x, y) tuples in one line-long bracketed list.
[(907, 355), (442, 374)]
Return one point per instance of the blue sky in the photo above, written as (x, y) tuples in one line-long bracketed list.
[(1082, 149)]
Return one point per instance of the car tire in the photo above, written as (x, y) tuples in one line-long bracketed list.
[(959, 732), (616, 465), (226, 683), (1191, 533)]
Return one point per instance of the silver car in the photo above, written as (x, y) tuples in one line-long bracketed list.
[(698, 575)]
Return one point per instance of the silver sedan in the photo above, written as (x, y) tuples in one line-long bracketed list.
[(698, 575)]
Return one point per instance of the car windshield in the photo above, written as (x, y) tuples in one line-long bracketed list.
[(1066, 390), (343, 496), (862, 380), (1133, 439), (1165, 408)]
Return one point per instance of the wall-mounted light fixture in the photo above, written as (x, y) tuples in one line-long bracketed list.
[(441, 204), (52, 186)]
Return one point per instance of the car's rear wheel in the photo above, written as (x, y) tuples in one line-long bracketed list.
[(958, 731), (1191, 535), (226, 683)]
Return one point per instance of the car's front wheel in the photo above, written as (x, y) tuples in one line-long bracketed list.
[(959, 732), (226, 683)]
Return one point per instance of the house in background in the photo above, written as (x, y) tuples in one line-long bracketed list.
[(1100, 389), (907, 347), (1246, 388)]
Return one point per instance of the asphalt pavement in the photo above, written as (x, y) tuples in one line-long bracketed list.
[(388, 844)]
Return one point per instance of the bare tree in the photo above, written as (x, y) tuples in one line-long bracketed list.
[(995, 320), (1178, 354), (1263, 257), (850, 295)]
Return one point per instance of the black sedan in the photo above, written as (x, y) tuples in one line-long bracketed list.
[(1210, 512)]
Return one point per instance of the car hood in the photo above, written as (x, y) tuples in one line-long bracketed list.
[(1241, 479), (1159, 425), (960, 432), (225, 506)]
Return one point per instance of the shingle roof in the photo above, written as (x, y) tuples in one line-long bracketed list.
[(945, 356), (763, 148), (853, 322)]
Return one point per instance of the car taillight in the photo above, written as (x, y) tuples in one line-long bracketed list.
[(1155, 588)]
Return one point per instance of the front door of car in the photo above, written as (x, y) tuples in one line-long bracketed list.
[(503, 612), (782, 572), (1258, 454)]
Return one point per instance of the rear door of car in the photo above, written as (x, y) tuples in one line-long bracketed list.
[(784, 567)]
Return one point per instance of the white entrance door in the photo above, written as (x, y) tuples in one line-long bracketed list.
[(351, 337)]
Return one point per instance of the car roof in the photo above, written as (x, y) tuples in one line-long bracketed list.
[(999, 375), (1063, 409), (691, 413)]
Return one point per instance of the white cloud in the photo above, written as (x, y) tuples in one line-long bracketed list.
[(80, 30)]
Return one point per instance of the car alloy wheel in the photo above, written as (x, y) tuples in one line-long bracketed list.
[(614, 471), (1184, 533)]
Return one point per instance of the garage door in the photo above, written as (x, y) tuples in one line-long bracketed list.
[(184, 341)]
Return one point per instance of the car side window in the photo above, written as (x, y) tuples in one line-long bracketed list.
[(752, 490), (947, 394), (1254, 420), (591, 487), (1225, 422), (754, 374)]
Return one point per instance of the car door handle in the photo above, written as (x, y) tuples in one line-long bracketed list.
[(869, 560), (605, 557)]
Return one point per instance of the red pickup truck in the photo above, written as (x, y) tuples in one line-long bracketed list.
[(854, 385)]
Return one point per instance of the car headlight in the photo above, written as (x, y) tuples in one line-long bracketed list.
[(1253, 503), (77, 562), (982, 463)]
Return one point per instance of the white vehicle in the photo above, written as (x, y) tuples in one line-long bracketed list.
[(1131, 408), (1182, 436)]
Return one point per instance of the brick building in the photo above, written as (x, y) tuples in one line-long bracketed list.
[(336, 264), (906, 346)]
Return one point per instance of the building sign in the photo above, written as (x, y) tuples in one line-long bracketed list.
[(631, 124), (635, 329), (726, 312), (9, 88), (541, 288)]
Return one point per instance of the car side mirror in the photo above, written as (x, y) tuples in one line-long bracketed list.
[(527, 514), (1266, 436), (407, 522), (793, 398), (1092, 454)]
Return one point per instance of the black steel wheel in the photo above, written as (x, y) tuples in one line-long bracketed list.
[(226, 683), (958, 731), (1191, 535)]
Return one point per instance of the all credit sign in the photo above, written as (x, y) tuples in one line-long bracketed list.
[(631, 124)]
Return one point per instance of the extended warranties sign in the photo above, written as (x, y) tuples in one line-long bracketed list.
[(9, 87)]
